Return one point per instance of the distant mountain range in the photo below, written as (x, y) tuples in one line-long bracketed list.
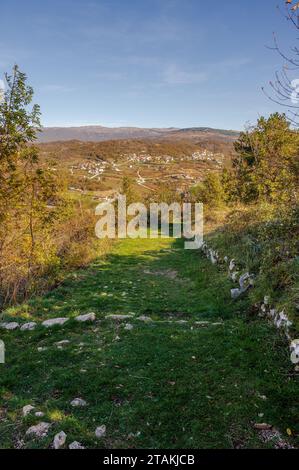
[(100, 133)]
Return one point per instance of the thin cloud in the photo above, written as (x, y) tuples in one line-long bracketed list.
[(56, 88), (114, 76), (232, 63), (174, 75)]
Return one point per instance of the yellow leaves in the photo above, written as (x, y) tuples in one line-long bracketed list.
[(294, 7), (56, 415)]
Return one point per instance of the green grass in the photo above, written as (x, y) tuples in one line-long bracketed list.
[(163, 384)]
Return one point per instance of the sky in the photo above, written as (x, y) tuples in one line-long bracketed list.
[(146, 63)]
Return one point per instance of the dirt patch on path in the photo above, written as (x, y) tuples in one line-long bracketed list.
[(169, 273)]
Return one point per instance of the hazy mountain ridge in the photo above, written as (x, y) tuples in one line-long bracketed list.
[(101, 133)]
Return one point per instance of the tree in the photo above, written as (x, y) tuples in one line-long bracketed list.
[(128, 190), (26, 186), (210, 191), (266, 162)]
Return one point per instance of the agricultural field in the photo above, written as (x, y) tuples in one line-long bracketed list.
[(100, 167)]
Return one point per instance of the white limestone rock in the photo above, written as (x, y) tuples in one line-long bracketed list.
[(78, 402), (28, 326), (213, 256), (232, 265), (263, 309), (294, 347), (54, 321), (27, 409), (100, 431), (63, 342), (10, 325), (76, 445), (202, 323), (234, 276), (282, 320), (59, 440), (145, 318), (235, 293), (272, 313), (87, 317), (245, 281), (118, 317), (39, 430)]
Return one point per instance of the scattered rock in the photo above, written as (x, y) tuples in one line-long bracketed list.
[(144, 318), (39, 430), (59, 440), (282, 320), (118, 317), (76, 445), (131, 435), (27, 409), (39, 414), (234, 276), (263, 426), (28, 326), (202, 323), (232, 265), (272, 313), (294, 346), (54, 321), (244, 281), (213, 256), (128, 327), (42, 348), (87, 317), (262, 397), (78, 402), (62, 342), (100, 431), (274, 436), (10, 326), (235, 293)]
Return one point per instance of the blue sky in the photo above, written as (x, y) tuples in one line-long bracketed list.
[(149, 63)]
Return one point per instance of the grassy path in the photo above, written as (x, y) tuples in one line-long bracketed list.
[(161, 384)]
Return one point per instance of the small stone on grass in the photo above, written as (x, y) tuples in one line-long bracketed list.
[(27, 409), (76, 445), (39, 430), (78, 402), (59, 440), (100, 431)]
